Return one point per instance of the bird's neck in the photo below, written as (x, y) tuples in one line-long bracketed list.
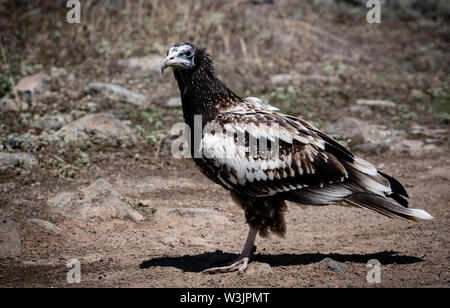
[(202, 93)]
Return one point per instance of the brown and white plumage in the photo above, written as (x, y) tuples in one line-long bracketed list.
[(310, 167)]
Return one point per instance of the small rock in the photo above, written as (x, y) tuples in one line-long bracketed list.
[(431, 148), (92, 106), (171, 241), (100, 200), (8, 104), (118, 93), (44, 224), (97, 129), (413, 147), (418, 95), (61, 201), (283, 79), (143, 66), (10, 243), (11, 160), (376, 103), (407, 146), (173, 102), (362, 111), (374, 148), (93, 258), (357, 131), (333, 265), (422, 131), (260, 268), (51, 122), (30, 86), (419, 130), (42, 262)]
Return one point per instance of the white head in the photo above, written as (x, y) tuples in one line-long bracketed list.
[(180, 56)]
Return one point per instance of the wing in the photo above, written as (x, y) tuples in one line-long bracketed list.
[(306, 158), (258, 104)]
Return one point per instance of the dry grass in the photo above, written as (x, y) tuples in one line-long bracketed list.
[(249, 42)]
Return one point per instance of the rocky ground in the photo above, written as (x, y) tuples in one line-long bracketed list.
[(86, 171)]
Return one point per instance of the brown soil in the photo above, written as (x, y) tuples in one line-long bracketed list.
[(169, 250)]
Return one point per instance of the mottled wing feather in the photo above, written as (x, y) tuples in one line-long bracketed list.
[(302, 161)]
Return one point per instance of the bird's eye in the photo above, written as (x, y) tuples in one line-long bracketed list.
[(188, 53)]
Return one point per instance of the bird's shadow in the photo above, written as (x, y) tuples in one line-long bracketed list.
[(200, 262)]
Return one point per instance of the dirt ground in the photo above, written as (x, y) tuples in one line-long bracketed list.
[(169, 250), (309, 58)]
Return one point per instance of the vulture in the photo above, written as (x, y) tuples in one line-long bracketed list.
[(265, 158)]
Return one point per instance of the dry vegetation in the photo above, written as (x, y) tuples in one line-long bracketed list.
[(340, 57)]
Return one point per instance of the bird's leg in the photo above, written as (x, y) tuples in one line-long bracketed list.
[(241, 263)]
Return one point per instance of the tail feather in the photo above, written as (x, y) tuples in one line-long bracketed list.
[(398, 191), (397, 187), (370, 179), (387, 207)]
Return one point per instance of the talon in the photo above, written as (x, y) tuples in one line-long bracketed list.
[(241, 263)]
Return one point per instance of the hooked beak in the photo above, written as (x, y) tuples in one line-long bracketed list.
[(164, 65), (172, 60)]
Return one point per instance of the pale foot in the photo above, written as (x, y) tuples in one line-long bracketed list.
[(240, 265)]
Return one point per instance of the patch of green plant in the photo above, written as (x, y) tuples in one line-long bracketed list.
[(104, 47), (442, 104), (5, 84), (156, 115), (147, 135), (403, 114), (136, 205), (283, 96), (29, 69), (335, 69), (141, 207), (11, 74)]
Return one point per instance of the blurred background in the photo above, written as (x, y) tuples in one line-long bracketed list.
[(79, 101), (302, 55)]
